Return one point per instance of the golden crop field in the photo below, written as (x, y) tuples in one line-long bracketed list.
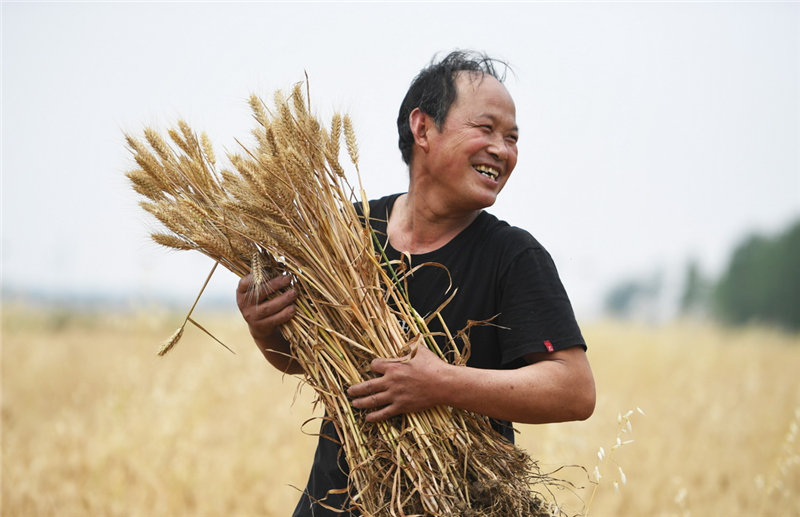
[(94, 423)]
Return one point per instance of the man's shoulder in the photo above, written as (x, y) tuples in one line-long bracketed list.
[(385, 201), (499, 233), (379, 208)]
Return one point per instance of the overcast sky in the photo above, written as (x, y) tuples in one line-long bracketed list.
[(650, 133)]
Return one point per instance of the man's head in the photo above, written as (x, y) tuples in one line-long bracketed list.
[(434, 91)]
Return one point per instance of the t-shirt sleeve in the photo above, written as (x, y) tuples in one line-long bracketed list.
[(536, 314)]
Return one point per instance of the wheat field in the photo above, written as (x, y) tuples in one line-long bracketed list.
[(94, 423)]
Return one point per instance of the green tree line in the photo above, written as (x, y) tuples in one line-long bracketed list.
[(761, 284)]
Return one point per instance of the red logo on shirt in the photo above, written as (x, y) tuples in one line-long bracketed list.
[(549, 345)]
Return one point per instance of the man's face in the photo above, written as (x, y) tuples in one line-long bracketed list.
[(471, 157)]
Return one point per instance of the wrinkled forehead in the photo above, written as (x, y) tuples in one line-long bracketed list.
[(475, 86)]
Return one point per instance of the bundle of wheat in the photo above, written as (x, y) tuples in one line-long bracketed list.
[(288, 207)]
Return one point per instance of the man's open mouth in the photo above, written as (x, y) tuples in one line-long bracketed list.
[(487, 171)]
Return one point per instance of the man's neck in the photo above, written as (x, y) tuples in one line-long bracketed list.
[(417, 225)]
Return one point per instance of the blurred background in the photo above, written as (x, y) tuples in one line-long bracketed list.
[(659, 164)]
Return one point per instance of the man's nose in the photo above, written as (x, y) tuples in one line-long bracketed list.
[(497, 147)]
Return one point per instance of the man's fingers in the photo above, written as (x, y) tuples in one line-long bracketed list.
[(276, 283), (378, 404), (372, 401), (284, 315), (264, 322), (379, 365), (248, 294), (362, 388), (272, 286), (244, 284), (381, 415), (279, 303)]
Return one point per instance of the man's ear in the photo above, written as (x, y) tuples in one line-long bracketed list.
[(420, 124)]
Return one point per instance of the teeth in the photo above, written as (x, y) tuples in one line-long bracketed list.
[(487, 171)]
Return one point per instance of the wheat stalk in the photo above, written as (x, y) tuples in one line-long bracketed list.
[(288, 207)]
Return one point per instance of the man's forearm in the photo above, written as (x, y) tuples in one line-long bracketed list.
[(543, 392), (277, 351)]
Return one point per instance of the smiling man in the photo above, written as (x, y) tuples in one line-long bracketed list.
[(458, 134)]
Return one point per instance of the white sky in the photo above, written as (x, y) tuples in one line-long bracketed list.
[(650, 133)]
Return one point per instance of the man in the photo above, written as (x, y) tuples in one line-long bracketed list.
[(458, 135)]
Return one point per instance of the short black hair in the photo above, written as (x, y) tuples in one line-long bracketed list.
[(433, 91)]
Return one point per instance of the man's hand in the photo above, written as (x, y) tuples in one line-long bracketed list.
[(406, 385), (265, 308)]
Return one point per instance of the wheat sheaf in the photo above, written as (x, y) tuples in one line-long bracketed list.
[(286, 207)]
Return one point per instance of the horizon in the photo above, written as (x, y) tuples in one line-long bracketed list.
[(651, 134)]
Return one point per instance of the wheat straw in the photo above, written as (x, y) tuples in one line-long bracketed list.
[(288, 207)]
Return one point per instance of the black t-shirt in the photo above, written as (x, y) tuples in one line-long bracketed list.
[(501, 273)]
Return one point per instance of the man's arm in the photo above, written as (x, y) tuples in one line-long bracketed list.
[(265, 309), (554, 387)]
